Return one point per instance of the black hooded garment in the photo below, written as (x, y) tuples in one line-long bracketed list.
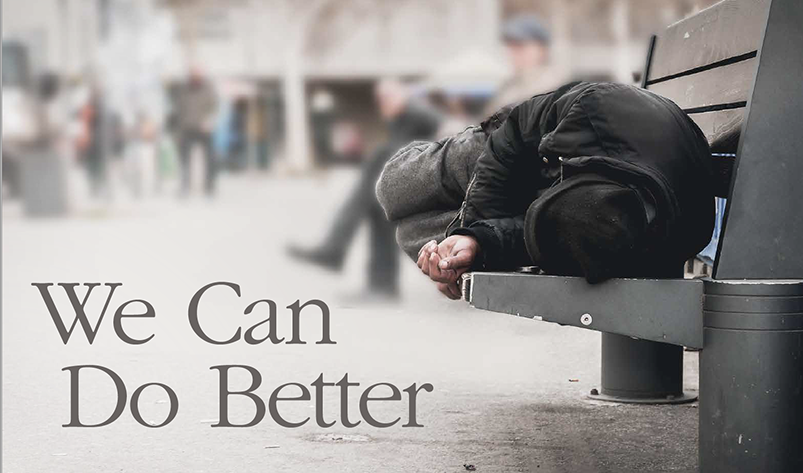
[(621, 143)]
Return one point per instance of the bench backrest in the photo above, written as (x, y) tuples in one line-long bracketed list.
[(737, 69), (706, 64)]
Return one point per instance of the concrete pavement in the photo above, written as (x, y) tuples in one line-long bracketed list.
[(502, 398)]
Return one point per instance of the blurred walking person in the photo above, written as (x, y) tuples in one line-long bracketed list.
[(141, 156), (94, 143), (406, 121), (196, 107), (238, 132), (528, 45), (258, 132)]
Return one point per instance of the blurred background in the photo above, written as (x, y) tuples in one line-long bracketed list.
[(93, 89), (166, 144), (262, 108), (118, 108)]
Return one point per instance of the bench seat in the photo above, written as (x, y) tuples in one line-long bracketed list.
[(660, 310)]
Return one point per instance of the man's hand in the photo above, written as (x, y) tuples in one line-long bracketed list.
[(445, 263)]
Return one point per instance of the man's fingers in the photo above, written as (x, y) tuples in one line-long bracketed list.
[(423, 263), (441, 275), (462, 259), (424, 255), (455, 290), (434, 270), (449, 290), (429, 246), (446, 276)]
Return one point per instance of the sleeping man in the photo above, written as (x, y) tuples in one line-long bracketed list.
[(595, 180)]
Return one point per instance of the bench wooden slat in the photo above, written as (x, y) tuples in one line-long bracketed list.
[(721, 128), (727, 29), (726, 85)]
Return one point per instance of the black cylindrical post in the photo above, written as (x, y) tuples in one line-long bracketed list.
[(641, 371), (751, 377)]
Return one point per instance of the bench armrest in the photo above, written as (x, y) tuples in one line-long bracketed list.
[(661, 310)]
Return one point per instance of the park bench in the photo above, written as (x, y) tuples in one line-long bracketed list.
[(737, 69)]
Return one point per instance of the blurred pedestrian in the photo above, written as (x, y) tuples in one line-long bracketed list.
[(527, 42), (196, 106), (94, 142), (322, 118), (406, 121), (238, 146), (141, 155), (348, 142), (454, 110), (257, 132)]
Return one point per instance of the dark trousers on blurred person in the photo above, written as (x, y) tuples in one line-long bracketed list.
[(187, 140), (412, 123), (361, 205)]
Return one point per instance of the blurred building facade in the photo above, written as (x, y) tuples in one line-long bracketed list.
[(281, 53)]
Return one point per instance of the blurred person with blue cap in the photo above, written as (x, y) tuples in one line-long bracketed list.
[(528, 43)]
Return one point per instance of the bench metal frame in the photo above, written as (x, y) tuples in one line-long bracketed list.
[(748, 320)]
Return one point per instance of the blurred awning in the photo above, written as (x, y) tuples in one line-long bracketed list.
[(471, 73)]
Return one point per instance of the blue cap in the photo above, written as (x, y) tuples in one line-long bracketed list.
[(525, 28)]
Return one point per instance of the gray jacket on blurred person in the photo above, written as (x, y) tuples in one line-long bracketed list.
[(196, 105)]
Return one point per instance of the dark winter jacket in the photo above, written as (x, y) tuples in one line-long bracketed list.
[(622, 133)]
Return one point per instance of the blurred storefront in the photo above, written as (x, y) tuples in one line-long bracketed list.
[(304, 70)]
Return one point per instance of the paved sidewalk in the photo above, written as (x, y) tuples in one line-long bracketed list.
[(508, 392)]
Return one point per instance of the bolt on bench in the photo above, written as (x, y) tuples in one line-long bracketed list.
[(736, 68)]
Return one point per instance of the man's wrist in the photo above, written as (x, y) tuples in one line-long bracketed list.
[(480, 235)]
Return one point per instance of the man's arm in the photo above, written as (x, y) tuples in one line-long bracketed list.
[(444, 263), (489, 245), (509, 173), (507, 179), (501, 243), (415, 231)]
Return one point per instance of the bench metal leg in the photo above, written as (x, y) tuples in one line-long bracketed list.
[(751, 377), (641, 372)]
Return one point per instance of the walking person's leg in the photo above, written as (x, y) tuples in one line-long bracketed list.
[(383, 265), (332, 251), (185, 157), (211, 163)]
